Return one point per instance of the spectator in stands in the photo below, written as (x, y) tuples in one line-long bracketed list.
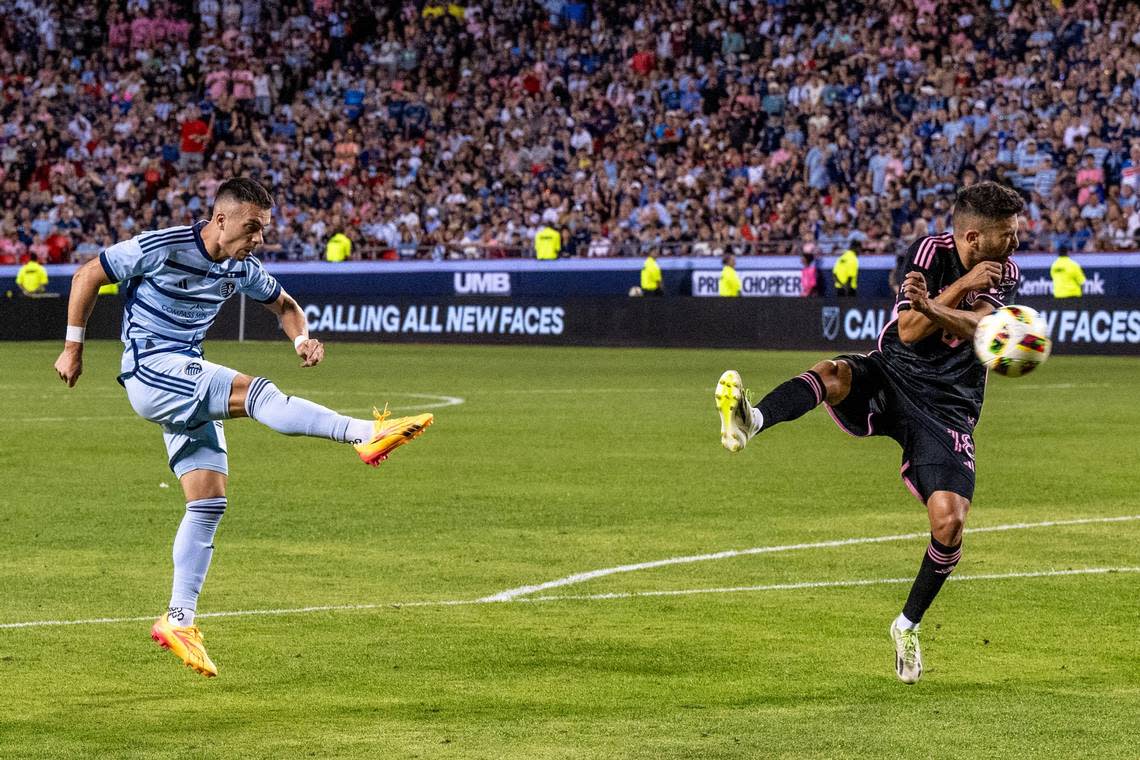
[(758, 125), (194, 139)]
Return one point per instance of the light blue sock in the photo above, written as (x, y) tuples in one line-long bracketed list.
[(296, 416), (193, 549)]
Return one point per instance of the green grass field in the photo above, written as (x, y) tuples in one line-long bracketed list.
[(555, 462)]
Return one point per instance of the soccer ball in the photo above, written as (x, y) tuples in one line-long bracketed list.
[(1012, 341)]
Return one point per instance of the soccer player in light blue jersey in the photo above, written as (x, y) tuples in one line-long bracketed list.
[(176, 281)]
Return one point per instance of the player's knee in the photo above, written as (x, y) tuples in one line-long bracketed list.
[(203, 484), (836, 376), (948, 513)]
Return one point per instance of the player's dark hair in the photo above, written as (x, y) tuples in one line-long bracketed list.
[(244, 190), (988, 200)]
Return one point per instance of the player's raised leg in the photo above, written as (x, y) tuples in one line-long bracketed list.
[(259, 399), (828, 381), (193, 549), (947, 511)]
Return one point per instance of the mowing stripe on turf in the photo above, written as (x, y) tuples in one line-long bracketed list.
[(569, 580), (586, 597)]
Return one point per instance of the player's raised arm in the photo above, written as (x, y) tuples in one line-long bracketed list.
[(85, 284), (986, 219), (294, 324), (926, 314)]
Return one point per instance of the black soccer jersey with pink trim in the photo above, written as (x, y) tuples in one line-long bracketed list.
[(940, 372)]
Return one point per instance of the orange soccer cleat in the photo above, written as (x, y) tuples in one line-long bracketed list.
[(185, 641), (389, 434)]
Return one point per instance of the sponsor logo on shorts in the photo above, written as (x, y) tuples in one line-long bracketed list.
[(227, 289), (193, 368)]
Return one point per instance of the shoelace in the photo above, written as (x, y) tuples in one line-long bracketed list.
[(910, 644), (379, 416)]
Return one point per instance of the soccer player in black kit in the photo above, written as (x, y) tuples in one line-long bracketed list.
[(923, 387)]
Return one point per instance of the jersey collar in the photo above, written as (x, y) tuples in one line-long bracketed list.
[(197, 228)]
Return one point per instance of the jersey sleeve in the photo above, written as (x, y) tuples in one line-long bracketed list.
[(127, 259), (259, 284), (919, 258), (1006, 289)]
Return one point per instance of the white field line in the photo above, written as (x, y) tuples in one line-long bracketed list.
[(825, 584), (590, 575), (590, 597), (440, 401)]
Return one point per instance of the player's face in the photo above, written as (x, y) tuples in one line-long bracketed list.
[(242, 229), (997, 241)]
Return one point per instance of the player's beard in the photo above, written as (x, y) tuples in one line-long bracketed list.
[(999, 254)]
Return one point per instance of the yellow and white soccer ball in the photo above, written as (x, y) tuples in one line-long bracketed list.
[(1013, 341)]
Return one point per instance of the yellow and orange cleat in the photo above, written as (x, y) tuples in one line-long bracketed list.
[(185, 641), (389, 434)]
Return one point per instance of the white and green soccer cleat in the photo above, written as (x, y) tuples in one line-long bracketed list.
[(736, 423), (908, 655)]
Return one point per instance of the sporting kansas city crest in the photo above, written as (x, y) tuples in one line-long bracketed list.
[(193, 368), (829, 321), (227, 289)]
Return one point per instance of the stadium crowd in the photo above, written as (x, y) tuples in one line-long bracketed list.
[(436, 130)]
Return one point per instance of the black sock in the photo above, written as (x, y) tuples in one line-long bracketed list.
[(791, 399), (937, 564)]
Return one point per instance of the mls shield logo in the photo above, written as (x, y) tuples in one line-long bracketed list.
[(193, 368), (829, 321), (227, 289)]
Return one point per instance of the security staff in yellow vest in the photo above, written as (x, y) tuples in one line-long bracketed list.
[(729, 279), (32, 277), (547, 243), (651, 276), (1068, 277), (339, 248), (846, 273)]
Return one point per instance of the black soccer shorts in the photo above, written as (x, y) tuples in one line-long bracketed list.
[(936, 456)]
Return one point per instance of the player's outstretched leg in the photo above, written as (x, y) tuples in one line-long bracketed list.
[(373, 439), (740, 421)]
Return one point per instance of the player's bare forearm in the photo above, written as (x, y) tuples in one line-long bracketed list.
[(928, 314), (293, 322), (914, 324), (85, 284), (292, 317), (961, 324)]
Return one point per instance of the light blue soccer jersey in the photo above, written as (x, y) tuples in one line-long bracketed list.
[(175, 290)]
